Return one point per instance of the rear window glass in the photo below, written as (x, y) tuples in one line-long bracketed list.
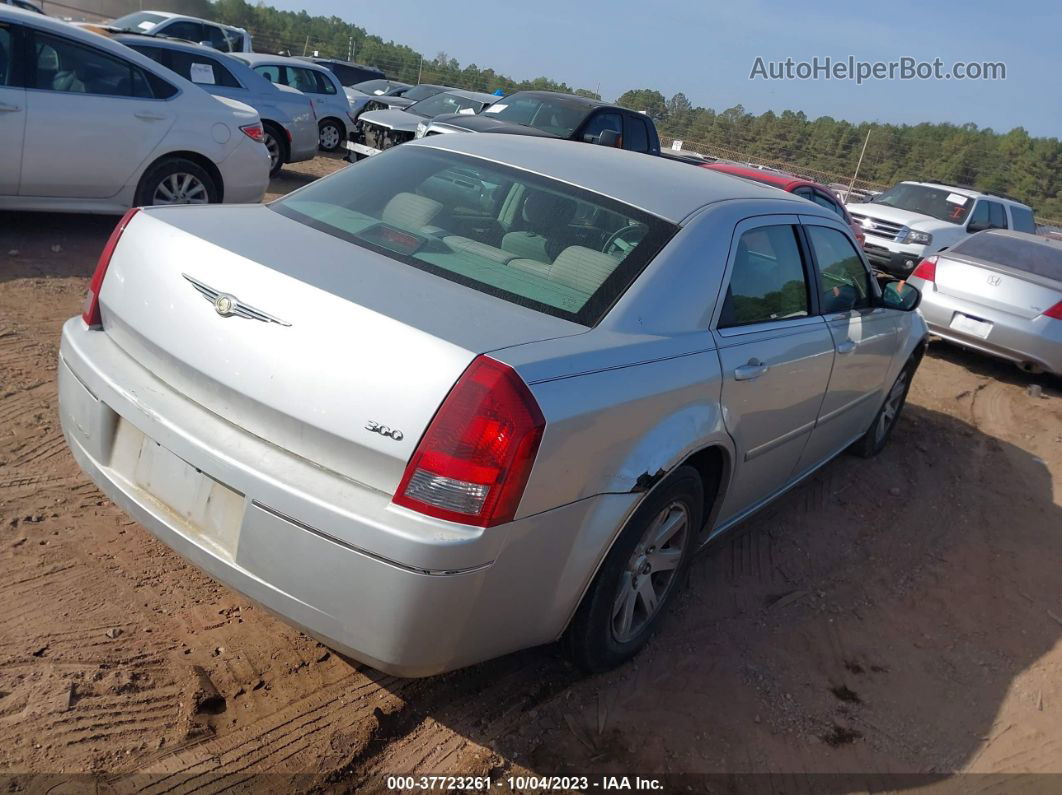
[(518, 236), (1036, 255), (1023, 219)]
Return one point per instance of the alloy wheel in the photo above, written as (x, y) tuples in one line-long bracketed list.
[(181, 188), (893, 403), (273, 147), (650, 572)]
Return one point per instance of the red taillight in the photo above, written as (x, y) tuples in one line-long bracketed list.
[(1055, 311), (254, 132), (927, 269), (90, 309), (472, 464)]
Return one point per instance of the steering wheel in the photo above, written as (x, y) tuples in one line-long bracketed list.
[(617, 239)]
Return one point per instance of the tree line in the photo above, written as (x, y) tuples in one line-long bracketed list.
[(1013, 163)]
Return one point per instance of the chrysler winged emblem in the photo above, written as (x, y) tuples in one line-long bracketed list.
[(995, 281), (228, 305)]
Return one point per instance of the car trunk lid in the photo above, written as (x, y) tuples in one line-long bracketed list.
[(333, 352), (994, 286)]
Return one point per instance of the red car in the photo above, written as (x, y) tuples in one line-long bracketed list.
[(793, 184)]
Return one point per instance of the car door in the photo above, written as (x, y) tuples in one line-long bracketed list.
[(775, 352), (599, 123), (865, 337), (91, 120), (12, 113)]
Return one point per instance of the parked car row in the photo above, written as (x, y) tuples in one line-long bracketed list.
[(88, 124)]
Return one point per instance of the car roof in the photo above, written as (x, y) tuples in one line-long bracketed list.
[(262, 57), (965, 190), (477, 95), (779, 179), (167, 41), (319, 59), (666, 188), (573, 99)]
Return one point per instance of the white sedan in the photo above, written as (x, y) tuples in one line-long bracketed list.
[(87, 125)]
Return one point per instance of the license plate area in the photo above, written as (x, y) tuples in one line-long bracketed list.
[(971, 325), (202, 508)]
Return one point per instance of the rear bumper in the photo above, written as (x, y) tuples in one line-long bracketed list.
[(1036, 342), (245, 173), (407, 594)]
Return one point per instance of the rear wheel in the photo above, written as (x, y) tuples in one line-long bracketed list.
[(276, 144), (640, 575), (176, 180), (877, 436), (331, 134)]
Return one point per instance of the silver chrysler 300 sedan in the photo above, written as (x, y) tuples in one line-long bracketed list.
[(998, 292), (478, 392)]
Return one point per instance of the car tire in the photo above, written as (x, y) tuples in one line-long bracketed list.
[(330, 135), (176, 180), (614, 622), (277, 145), (880, 431)]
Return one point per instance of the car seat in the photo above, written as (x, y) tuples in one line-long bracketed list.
[(547, 216)]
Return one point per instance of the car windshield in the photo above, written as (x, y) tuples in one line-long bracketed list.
[(376, 86), (523, 238), (417, 93), (556, 116), (140, 21), (445, 103), (1036, 255), (939, 203)]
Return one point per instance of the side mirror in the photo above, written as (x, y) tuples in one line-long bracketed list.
[(899, 294)]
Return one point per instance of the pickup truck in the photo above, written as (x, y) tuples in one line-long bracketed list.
[(549, 114)]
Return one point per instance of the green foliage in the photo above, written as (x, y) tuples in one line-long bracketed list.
[(1015, 163)]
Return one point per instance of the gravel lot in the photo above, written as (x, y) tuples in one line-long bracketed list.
[(899, 615)]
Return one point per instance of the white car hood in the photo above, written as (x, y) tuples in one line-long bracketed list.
[(894, 214), (393, 119)]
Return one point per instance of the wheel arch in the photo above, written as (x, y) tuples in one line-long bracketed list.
[(200, 160)]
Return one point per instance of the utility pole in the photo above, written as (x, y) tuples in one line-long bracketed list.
[(851, 184), (350, 50), (306, 46), (420, 70)]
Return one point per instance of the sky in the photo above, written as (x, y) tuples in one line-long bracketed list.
[(707, 50)]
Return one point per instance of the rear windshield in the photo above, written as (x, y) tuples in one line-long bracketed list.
[(376, 86), (939, 203), (558, 117), (1040, 256), (417, 93), (518, 236), (139, 22)]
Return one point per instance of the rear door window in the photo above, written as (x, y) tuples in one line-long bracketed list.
[(6, 55), (637, 137), (62, 65), (324, 85), (523, 238), (202, 69), (183, 29), (767, 281), (844, 282), (1023, 219)]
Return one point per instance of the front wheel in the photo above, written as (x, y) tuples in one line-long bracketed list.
[(640, 575), (331, 135), (176, 180), (877, 436)]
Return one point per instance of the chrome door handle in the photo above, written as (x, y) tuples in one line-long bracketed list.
[(5, 108), (846, 347), (147, 115), (747, 372)]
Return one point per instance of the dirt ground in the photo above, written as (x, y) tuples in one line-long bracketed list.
[(899, 615)]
